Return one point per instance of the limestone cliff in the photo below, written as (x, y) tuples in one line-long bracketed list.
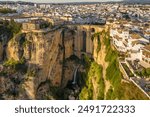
[(43, 54), (69, 62), (15, 49)]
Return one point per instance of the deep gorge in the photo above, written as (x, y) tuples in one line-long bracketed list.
[(43, 65)]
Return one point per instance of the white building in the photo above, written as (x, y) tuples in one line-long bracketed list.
[(129, 43)]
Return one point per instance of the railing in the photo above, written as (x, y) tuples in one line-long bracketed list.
[(123, 70)]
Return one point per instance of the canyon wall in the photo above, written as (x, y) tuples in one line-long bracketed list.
[(40, 65), (43, 54)]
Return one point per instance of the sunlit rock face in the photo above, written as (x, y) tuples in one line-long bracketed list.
[(46, 55), (42, 65)]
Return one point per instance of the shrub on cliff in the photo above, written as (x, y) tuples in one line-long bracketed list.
[(14, 27), (16, 65), (93, 74)]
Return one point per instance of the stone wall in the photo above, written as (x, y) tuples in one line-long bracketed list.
[(30, 26), (89, 30)]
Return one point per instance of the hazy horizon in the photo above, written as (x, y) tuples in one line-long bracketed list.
[(62, 1)]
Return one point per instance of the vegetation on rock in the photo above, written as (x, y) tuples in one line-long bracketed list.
[(97, 36), (144, 72), (93, 78), (16, 65), (10, 28)]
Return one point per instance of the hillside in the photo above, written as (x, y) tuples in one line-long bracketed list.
[(104, 79)]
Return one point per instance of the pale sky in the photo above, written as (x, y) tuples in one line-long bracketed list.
[(55, 1)]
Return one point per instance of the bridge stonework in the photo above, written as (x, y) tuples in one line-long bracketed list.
[(83, 39)]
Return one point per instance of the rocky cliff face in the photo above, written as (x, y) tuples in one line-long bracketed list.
[(43, 54), (15, 47), (97, 84), (100, 55), (42, 65)]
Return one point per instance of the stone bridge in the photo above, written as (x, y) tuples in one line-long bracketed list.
[(83, 38)]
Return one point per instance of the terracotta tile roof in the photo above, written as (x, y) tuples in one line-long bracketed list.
[(135, 36), (147, 47), (117, 37)]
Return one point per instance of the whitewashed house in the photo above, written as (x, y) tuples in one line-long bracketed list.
[(128, 42)]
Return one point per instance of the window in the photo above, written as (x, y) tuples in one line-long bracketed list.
[(146, 61), (143, 59)]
